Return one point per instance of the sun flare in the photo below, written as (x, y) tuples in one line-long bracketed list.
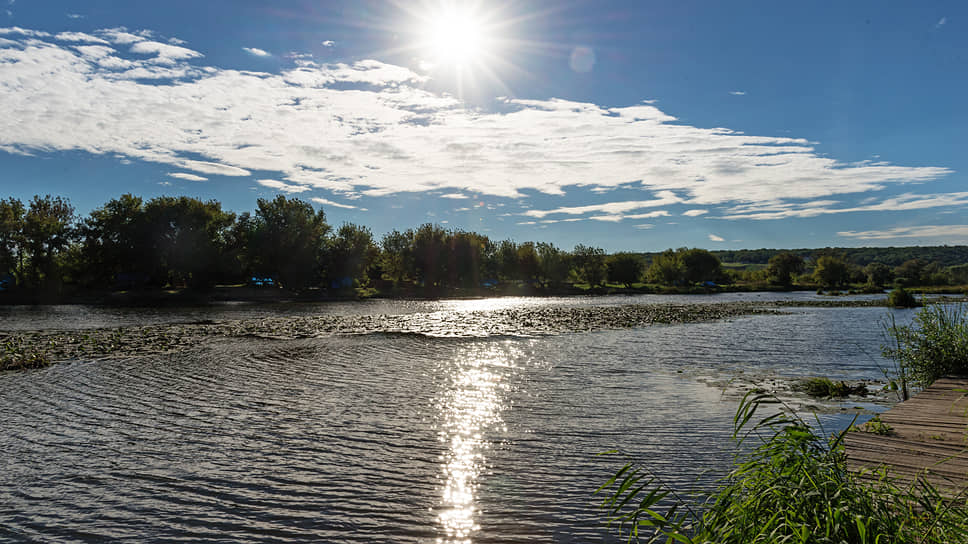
[(456, 36)]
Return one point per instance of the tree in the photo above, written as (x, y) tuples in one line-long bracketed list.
[(699, 265), (11, 236), (287, 241), (878, 274), (430, 243), (397, 255), (589, 264), (527, 262), (783, 266), (666, 269), (553, 264), (830, 272), (624, 268), (351, 252), (115, 240), (909, 272), (187, 238), (506, 260), (48, 227)]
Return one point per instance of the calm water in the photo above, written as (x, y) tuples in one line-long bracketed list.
[(387, 438)]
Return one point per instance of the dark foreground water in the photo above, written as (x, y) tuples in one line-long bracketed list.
[(391, 438)]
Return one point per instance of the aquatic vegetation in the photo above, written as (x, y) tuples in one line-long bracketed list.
[(16, 354), (792, 487), (827, 388)]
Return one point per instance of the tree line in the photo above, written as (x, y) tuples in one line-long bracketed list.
[(174, 242)]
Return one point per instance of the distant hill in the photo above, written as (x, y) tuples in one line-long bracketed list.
[(891, 256)]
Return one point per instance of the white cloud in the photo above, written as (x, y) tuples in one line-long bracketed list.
[(328, 43), (737, 93), (164, 53), (79, 37), (941, 22), (612, 208), (714, 238), (455, 196), (186, 176), (281, 186), (694, 213), (74, 16), (256, 51), (368, 128), (325, 202), (645, 226), (16, 30), (952, 234), (907, 201)]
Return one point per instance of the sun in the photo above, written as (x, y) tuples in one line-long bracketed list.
[(456, 36)]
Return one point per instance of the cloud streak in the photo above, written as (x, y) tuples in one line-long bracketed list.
[(957, 234)]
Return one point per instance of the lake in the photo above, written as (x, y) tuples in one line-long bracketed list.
[(391, 437)]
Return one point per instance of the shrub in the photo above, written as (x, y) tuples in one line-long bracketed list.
[(793, 487), (933, 346), (899, 298)]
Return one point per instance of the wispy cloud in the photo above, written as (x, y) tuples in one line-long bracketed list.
[(328, 43), (74, 16), (612, 208), (737, 93), (369, 127), (455, 196), (256, 51), (281, 186), (956, 234), (903, 202), (186, 176), (714, 238), (695, 213), (325, 202), (941, 22)]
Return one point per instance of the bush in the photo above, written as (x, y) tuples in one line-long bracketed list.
[(825, 388), (899, 298), (793, 487), (933, 346)]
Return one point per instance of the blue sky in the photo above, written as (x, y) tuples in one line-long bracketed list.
[(626, 125)]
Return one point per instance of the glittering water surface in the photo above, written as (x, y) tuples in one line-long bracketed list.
[(390, 438)]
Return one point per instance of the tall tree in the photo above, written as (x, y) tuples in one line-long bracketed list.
[(397, 255), (11, 236), (554, 264), (287, 240), (48, 228), (624, 268), (830, 272), (116, 241), (187, 237), (666, 269), (699, 265), (783, 266), (589, 264), (350, 253), (430, 244)]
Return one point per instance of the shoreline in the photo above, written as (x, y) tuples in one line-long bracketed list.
[(269, 295)]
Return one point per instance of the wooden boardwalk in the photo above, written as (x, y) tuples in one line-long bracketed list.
[(929, 439)]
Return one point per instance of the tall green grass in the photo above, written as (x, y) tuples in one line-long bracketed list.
[(791, 487), (933, 346)]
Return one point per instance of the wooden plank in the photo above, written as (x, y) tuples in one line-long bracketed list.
[(929, 440)]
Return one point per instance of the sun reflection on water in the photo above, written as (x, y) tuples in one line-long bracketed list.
[(469, 407)]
